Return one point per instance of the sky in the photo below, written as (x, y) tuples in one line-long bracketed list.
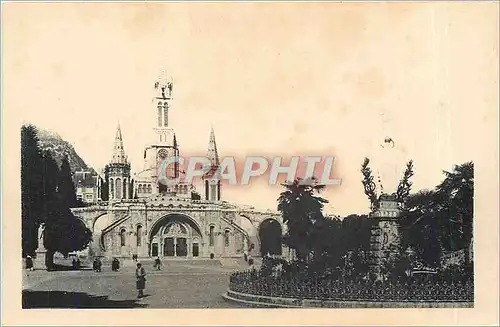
[(272, 79)]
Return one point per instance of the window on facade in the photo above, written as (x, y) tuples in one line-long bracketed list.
[(165, 114), (122, 237), (139, 235), (149, 188), (212, 236), (112, 188), (118, 190), (213, 192), (206, 190), (159, 114), (226, 238)]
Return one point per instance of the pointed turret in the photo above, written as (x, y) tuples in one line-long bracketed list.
[(212, 153), (212, 184), (118, 150), (119, 171), (175, 142)]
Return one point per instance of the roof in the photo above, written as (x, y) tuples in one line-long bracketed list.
[(85, 178)]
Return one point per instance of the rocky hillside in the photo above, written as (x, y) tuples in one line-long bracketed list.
[(59, 147)]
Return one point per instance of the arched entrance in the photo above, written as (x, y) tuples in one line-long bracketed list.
[(175, 235), (270, 236)]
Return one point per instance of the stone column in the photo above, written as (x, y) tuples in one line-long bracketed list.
[(125, 192)]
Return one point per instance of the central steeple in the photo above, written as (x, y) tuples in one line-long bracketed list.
[(163, 88)]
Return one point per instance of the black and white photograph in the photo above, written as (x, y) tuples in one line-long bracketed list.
[(253, 155)]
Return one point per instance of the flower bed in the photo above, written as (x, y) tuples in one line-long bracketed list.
[(253, 282)]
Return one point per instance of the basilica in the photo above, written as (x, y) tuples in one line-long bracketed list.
[(148, 219)]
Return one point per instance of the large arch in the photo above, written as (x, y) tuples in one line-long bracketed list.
[(99, 224), (270, 237), (175, 235)]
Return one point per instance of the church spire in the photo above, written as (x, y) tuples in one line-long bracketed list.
[(212, 153), (212, 188), (118, 150)]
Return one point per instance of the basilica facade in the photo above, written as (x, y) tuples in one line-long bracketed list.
[(148, 218)]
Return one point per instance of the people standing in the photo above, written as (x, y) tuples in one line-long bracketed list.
[(115, 264), (29, 263), (140, 274), (250, 260), (97, 264), (157, 263)]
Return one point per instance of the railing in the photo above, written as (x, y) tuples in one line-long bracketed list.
[(253, 282)]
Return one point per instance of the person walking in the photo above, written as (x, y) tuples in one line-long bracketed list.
[(140, 275)]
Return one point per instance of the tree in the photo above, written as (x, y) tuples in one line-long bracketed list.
[(301, 210), (442, 218), (327, 245), (50, 185), (356, 232), (404, 186), (456, 195), (66, 188), (31, 189), (419, 228), (63, 231), (369, 185)]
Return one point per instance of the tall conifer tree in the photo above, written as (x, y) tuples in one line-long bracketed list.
[(31, 187)]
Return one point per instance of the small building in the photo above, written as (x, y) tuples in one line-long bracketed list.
[(86, 186)]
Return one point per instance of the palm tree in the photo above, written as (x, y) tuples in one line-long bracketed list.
[(301, 210)]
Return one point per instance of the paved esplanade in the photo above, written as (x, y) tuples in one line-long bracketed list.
[(179, 284)]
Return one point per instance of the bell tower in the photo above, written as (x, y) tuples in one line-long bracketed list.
[(162, 100), (165, 145), (119, 171)]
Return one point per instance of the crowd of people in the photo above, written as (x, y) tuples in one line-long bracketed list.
[(253, 282)]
